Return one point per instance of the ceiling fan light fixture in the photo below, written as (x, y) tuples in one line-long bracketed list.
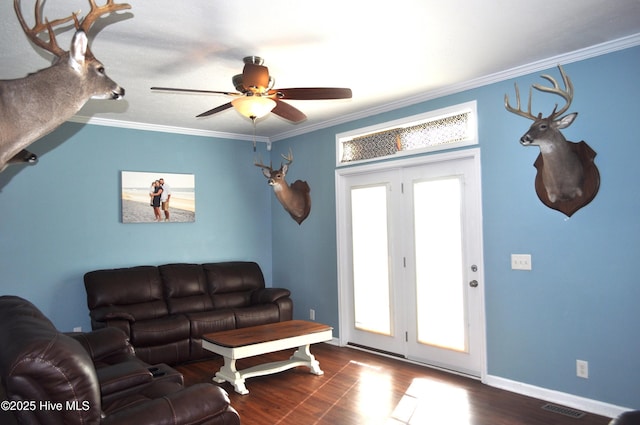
[(256, 97), (253, 107)]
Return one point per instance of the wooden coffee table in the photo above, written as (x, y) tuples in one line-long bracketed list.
[(255, 340)]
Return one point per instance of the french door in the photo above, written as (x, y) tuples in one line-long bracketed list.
[(410, 259)]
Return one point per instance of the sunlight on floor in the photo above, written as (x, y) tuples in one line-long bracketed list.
[(425, 401), (374, 391), (428, 401)]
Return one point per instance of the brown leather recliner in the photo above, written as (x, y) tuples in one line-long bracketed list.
[(631, 417), (52, 378)]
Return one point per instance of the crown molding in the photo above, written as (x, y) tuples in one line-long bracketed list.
[(166, 129), (575, 56)]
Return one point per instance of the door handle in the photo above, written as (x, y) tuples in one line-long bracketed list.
[(473, 283)]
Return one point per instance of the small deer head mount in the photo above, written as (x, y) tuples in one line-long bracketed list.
[(567, 177), (295, 198), (35, 105)]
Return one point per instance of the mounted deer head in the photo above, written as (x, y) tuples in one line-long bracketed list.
[(295, 198), (33, 106), (567, 177)]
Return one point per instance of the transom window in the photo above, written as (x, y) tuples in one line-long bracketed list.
[(435, 130)]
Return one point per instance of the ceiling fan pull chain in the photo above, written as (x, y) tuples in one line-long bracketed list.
[(253, 120)]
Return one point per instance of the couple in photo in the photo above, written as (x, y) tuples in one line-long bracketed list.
[(160, 192)]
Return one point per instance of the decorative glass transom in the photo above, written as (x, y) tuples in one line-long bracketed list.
[(437, 130)]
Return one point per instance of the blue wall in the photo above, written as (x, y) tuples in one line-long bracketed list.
[(581, 300), (60, 219)]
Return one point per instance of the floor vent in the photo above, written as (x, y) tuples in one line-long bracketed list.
[(563, 410)]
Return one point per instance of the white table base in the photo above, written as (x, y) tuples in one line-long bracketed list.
[(301, 357)]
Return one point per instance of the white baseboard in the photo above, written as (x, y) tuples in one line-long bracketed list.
[(335, 341), (551, 396), (557, 397)]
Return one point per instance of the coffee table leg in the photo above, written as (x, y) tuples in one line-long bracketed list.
[(303, 353), (229, 373)]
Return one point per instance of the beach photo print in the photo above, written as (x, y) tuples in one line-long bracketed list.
[(156, 197)]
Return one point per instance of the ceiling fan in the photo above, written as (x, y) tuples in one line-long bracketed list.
[(256, 97)]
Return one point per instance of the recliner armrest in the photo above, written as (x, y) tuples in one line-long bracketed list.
[(121, 376), (268, 295), (104, 342)]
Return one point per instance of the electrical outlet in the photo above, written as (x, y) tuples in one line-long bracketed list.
[(582, 369), (521, 261), (77, 329), (312, 314)]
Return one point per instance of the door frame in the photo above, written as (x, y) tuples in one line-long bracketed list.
[(342, 237)]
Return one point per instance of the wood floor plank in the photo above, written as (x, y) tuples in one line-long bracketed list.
[(360, 388)]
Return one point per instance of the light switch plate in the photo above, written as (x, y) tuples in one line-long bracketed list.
[(521, 261)]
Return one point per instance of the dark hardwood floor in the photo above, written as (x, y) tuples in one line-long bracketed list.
[(359, 388)]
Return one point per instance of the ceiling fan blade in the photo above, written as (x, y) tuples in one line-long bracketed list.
[(215, 110), (312, 93), (196, 91), (255, 76), (288, 112)]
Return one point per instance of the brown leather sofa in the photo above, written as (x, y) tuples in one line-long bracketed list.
[(164, 310), (52, 378)]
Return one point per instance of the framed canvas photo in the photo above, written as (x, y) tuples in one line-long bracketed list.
[(151, 197)]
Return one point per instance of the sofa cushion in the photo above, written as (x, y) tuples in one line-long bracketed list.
[(198, 404), (257, 315), (170, 353), (233, 276), (232, 283), (134, 291), (231, 300), (185, 288), (211, 321), (159, 331)]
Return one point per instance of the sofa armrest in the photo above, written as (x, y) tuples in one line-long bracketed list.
[(268, 295), (104, 342), (195, 404), (104, 314)]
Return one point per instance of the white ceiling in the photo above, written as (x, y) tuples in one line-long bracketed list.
[(389, 53)]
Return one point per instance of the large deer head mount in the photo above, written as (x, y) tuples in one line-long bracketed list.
[(567, 177), (295, 198), (35, 105)]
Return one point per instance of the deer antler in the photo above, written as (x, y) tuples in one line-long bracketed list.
[(519, 110), (261, 165), (288, 157), (39, 26), (95, 12), (567, 95)]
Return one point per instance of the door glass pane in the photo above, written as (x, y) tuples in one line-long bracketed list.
[(370, 259), (439, 280)]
